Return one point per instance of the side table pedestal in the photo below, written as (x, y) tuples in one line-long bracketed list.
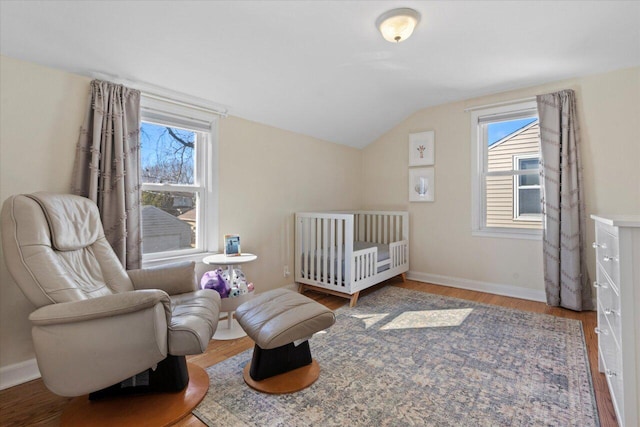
[(230, 329)]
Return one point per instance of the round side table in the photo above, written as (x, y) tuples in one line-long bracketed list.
[(229, 305)]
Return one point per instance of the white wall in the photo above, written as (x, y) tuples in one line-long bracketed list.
[(441, 243), (266, 174)]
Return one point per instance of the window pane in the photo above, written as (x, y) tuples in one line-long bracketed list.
[(167, 154), (510, 138), (529, 180), (499, 211), (526, 164), (168, 221), (529, 164), (500, 204), (529, 201), (501, 129)]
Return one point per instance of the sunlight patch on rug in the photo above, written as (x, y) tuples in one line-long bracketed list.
[(428, 319), (491, 366), (370, 319)]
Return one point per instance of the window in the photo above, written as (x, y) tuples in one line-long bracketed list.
[(526, 189), (179, 180), (505, 175)]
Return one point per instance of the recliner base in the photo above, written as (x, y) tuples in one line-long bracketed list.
[(170, 376)]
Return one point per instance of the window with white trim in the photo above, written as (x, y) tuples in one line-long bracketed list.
[(526, 189), (505, 171), (179, 179)]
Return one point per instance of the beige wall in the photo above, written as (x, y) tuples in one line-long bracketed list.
[(41, 111), (266, 175), (441, 241)]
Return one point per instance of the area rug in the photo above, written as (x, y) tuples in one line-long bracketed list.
[(409, 358)]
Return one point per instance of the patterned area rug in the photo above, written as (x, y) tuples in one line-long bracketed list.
[(403, 357)]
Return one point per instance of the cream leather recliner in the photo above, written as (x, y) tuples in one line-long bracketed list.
[(97, 327)]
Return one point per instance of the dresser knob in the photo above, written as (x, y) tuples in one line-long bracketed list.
[(609, 258), (609, 311), (600, 285), (610, 373), (601, 331), (599, 245)]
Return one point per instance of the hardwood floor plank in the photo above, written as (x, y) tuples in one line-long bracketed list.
[(32, 404)]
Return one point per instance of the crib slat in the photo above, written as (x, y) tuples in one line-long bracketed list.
[(304, 250), (311, 245), (332, 256), (325, 237), (304, 246), (318, 252), (339, 245), (368, 225), (385, 224)]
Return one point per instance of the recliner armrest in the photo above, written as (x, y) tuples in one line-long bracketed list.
[(100, 307), (174, 279)]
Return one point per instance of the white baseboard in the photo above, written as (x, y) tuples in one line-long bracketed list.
[(474, 285), (18, 373)]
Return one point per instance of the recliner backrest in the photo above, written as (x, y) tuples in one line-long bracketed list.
[(55, 249)]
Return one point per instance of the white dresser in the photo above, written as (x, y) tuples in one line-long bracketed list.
[(618, 284)]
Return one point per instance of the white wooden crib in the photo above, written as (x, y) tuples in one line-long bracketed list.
[(342, 253)]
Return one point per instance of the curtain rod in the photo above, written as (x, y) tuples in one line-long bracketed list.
[(166, 95), (499, 104)]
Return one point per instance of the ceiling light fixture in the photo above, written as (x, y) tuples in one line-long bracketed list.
[(397, 25)]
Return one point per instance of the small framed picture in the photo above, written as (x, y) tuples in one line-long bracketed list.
[(422, 148), (231, 244), (422, 185)]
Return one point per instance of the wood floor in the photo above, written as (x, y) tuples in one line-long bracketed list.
[(31, 404)]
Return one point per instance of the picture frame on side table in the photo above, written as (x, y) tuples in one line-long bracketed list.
[(232, 245), (422, 148), (422, 184)]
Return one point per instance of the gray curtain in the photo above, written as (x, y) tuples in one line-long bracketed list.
[(107, 166), (565, 274)]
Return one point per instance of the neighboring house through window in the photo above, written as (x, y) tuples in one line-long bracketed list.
[(179, 179), (505, 175), (526, 188)]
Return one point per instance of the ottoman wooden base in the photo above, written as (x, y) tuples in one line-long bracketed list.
[(289, 382)]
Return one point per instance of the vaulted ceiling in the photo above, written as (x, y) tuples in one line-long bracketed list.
[(321, 68)]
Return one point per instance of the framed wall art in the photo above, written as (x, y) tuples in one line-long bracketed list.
[(422, 148), (422, 184)]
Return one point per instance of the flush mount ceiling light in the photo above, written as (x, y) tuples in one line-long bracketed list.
[(397, 25)]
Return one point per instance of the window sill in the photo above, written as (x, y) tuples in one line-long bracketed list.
[(524, 218), (509, 234), (197, 257)]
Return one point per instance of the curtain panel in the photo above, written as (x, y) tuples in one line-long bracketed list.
[(565, 274), (107, 166)]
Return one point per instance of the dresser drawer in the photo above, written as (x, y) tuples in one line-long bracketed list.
[(611, 357), (607, 252), (609, 303), (607, 293)]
